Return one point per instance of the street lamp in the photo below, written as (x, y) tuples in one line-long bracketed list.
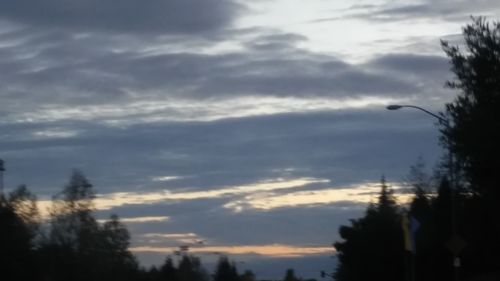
[(398, 106), (455, 243)]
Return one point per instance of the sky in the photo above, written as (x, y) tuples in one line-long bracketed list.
[(258, 127)]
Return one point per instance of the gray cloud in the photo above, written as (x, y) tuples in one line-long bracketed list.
[(124, 16), (456, 10), (46, 66), (92, 85), (409, 63), (222, 153)]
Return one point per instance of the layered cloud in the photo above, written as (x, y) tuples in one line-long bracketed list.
[(124, 16), (262, 196), (274, 250), (343, 196), (139, 219), (423, 10), (456, 10), (198, 120)]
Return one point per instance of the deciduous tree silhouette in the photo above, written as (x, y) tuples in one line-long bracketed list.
[(16, 252), (24, 204), (78, 247)]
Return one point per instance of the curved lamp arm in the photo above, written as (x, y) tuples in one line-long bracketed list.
[(398, 106)]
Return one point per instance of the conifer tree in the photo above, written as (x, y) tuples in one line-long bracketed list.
[(473, 138), (372, 246), (225, 271)]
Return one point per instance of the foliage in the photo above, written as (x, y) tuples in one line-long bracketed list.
[(248, 275), (473, 134), (16, 254), (190, 269), (373, 243), (80, 247), (466, 202), (225, 271), (168, 272), (473, 137), (290, 275), (24, 204)]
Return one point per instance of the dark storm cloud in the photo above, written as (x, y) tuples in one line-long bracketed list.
[(124, 16)]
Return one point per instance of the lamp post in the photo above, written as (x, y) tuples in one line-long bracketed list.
[(398, 106), (455, 243)]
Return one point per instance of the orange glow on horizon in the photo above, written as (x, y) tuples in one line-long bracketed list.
[(272, 250)]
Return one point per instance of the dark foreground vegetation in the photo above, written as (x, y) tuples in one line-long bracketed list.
[(450, 230), (452, 226), (71, 245)]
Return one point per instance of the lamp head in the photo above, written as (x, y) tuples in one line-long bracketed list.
[(394, 107)]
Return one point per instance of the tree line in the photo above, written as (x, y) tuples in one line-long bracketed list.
[(451, 228), (72, 245)]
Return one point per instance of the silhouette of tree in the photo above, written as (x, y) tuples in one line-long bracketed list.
[(248, 275), (168, 271), (16, 257), (440, 259), (472, 135), (190, 269), (372, 247), (474, 138), (72, 222), (290, 275), (117, 261), (73, 231), (24, 204), (421, 210), (153, 274), (225, 271), (78, 248)]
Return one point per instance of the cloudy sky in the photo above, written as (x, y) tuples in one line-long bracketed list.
[(256, 126)]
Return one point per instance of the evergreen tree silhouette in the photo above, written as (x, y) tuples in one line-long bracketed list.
[(372, 247), (225, 271), (474, 139), (290, 275), (168, 272)]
